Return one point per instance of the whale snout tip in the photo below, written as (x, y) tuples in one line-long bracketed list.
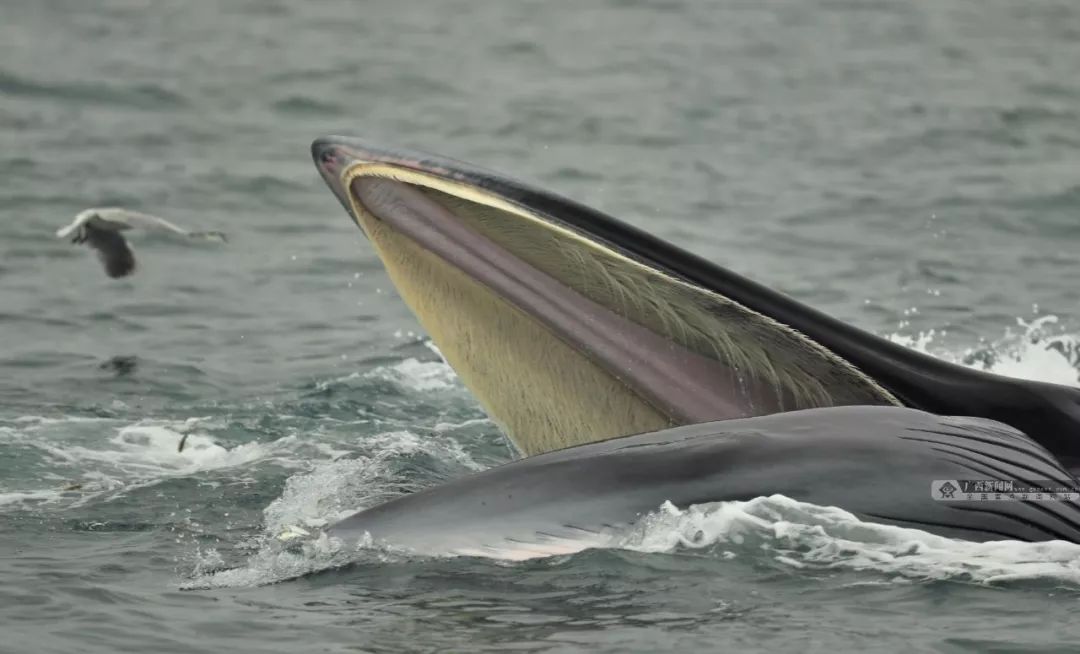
[(328, 156), (330, 160)]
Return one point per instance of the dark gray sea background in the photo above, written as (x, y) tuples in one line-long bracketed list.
[(910, 167)]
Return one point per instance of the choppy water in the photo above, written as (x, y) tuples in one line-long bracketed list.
[(911, 167)]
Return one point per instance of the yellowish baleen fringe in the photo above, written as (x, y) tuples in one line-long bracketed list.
[(756, 346)]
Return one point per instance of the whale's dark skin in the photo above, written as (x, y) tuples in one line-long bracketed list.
[(876, 462)]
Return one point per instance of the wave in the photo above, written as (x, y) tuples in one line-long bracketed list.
[(137, 96)]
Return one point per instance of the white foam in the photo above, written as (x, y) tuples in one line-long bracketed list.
[(426, 375), (806, 536), (43, 420), (272, 563), (107, 455), (30, 497), (150, 449), (418, 375), (332, 490), (410, 374), (1038, 355), (1034, 352), (326, 493)]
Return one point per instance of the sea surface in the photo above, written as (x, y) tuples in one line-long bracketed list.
[(910, 167)]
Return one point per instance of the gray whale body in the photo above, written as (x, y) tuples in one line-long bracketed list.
[(876, 462)]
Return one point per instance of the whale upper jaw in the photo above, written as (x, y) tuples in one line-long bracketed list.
[(570, 326)]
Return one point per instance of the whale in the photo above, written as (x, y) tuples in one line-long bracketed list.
[(629, 372), (570, 326), (889, 465)]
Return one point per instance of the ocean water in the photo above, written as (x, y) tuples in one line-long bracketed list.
[(913, 168)]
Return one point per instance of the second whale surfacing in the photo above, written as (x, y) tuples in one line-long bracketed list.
[(630, 373)]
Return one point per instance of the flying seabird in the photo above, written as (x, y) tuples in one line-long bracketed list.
[(100, 229)]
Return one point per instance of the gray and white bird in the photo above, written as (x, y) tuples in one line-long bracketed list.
[(100, 229)]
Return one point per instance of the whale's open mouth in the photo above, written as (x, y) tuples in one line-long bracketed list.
[(564, 334)]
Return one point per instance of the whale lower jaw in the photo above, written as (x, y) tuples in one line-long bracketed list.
[(881, 464)]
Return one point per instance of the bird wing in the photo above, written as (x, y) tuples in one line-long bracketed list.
[(116, 218), (123, 218), (80, 219), (113, 251)]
